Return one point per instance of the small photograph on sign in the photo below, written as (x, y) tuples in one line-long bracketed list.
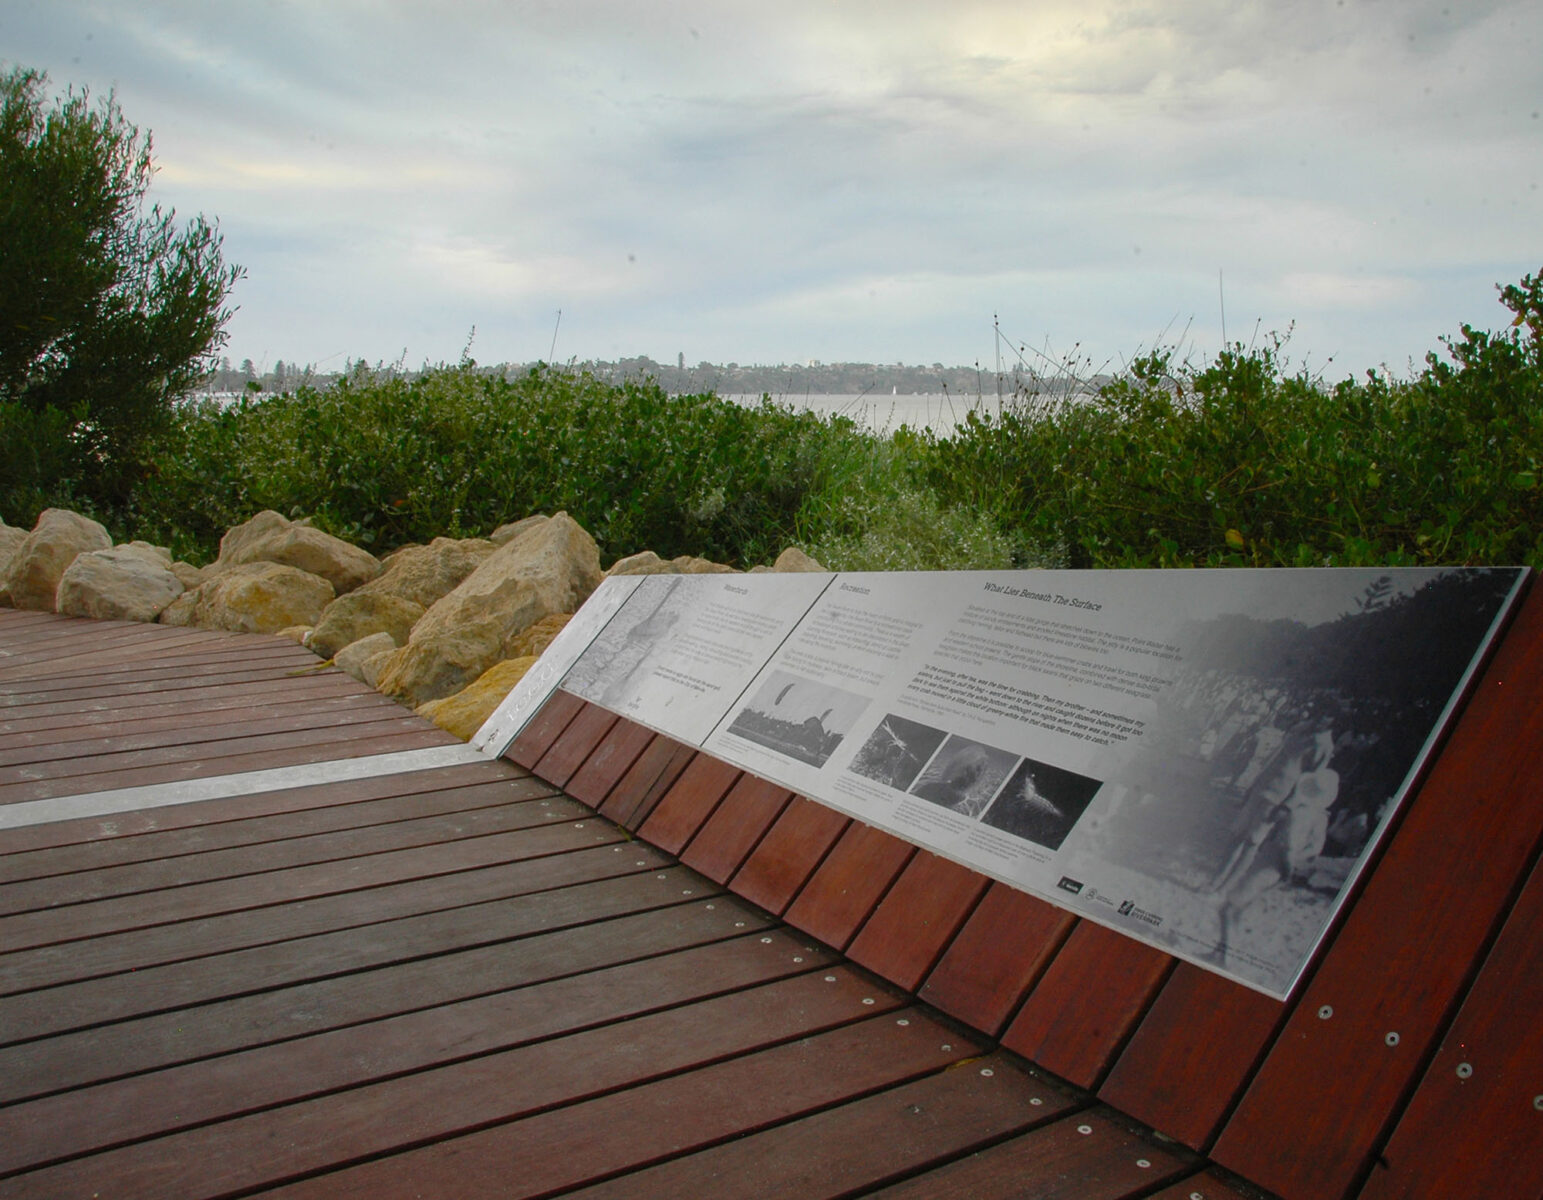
[(798, 717), (964, 776), (1041, 803), (635, 639), (896, 751)]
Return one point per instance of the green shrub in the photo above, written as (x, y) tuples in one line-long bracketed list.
[(1237, 462), (384, 460)]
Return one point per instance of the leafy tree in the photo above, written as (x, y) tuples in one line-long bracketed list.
[(107, 312)]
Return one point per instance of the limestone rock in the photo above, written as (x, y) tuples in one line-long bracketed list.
[(299, 634), (372, 668), (645, 562), (464, 713), (124, 583), (424, 574), (539, 636), (39, 562), (270, 537), (189, 575), (157, 552), (11, 539), (355, 657), (686, 564), (258, 597), (357, 615), (505, 534), (180, 611), (550, 568), (794, 559)]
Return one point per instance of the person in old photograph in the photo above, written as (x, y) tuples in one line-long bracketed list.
[(1289, 836)]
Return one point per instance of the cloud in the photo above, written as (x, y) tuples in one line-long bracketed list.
[(761, 182)]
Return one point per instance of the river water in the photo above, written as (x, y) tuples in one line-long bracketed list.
[(939, 412)]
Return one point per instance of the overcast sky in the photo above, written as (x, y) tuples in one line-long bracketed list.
[(841, 181)]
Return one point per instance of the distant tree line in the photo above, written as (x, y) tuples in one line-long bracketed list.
[(782, 381)]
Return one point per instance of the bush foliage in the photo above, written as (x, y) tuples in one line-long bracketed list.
[(107, 312), (1235, 461)]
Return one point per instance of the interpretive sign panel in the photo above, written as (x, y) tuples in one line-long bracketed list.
[(1201, 759)]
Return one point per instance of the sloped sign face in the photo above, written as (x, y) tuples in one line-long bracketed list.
[(1203, 760)]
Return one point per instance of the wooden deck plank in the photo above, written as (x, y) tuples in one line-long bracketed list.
[(618, 1132), (177, 729), (613, 927), (278, 1145), (122, 828), (213, 735), (856, 1146), (997, 957), (37, 697), (1144, 1082), (48, 640), (608, 762), (153, 657), (788, 855), (393, 802), (579, 897), (139, 949), (313, 689), (1387, 973), (683, 809), (1086, 1003), (1475, 1124), (260, 1077), (1087, 1156), (543, 729), (646, 782), (726, 838), (918, 917), (849, 884), (162, 872), (419, 736), (201, 900), (574, 745)]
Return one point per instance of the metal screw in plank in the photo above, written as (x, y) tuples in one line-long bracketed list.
[(1325, 1012), (1392, 1038), (1464, 1070)]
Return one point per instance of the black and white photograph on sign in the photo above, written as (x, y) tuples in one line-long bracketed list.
[(798, 717), (635, 637), (964, 776), (1041, 803), (896, 751), (1275, 758), (683, 648)]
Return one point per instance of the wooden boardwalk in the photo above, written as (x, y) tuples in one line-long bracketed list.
[(263, 932)]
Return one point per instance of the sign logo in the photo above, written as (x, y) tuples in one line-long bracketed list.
[(1068, 884)]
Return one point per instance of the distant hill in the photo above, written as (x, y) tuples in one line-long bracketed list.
[(782, 381)]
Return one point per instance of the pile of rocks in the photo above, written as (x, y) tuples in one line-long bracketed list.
[(448, 628)]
